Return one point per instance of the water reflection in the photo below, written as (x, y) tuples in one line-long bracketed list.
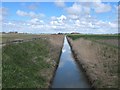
[(68, 74)]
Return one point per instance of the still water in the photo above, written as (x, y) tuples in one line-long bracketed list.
[(68, 73)]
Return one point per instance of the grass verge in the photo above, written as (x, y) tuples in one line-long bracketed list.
[(100, 61), (24, 65)]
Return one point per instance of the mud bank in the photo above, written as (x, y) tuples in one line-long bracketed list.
[(57, 63), (56, 43), (99, 62), (81, 66)]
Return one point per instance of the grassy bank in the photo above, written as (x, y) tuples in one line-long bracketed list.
[(100, 61), (31, 64)]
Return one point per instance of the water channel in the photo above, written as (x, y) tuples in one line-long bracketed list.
[(68, 73)]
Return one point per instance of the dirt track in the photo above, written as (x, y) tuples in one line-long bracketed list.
[(100, 62)]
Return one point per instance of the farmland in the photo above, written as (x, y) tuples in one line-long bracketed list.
[(98, 55), (111, 40), (30, 64)]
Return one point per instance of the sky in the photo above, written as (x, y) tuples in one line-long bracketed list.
[(64, 17)]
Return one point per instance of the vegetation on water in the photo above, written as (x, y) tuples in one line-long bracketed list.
[(22, 64)]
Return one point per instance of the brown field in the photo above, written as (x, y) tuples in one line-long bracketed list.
[(109, 41), (99, 61)]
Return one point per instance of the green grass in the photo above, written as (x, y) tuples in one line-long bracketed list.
[(22, 64), (94, 37)]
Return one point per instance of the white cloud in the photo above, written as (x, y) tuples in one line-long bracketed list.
[(29, 14), (21, 13), (100, 7), (62, 17), (107, 25), (60, 3), (78, 19), (54, 23), (74, 17), (35, 20), (78, 23), (63, 24), (75, 9), (53, 18), (58, 20), (82, 8), (32, 14), (87, 10), (79, 9), (113, 25)]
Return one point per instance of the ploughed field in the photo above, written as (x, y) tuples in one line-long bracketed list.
[(30, 64), (98, 55)]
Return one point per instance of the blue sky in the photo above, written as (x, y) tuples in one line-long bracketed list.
[(54, 17), (48, 8)]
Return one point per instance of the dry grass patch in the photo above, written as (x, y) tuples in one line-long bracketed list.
[(99, 61)]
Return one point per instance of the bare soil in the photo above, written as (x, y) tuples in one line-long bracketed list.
[(100, 62)]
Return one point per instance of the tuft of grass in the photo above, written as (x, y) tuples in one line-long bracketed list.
[(22, 64)]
